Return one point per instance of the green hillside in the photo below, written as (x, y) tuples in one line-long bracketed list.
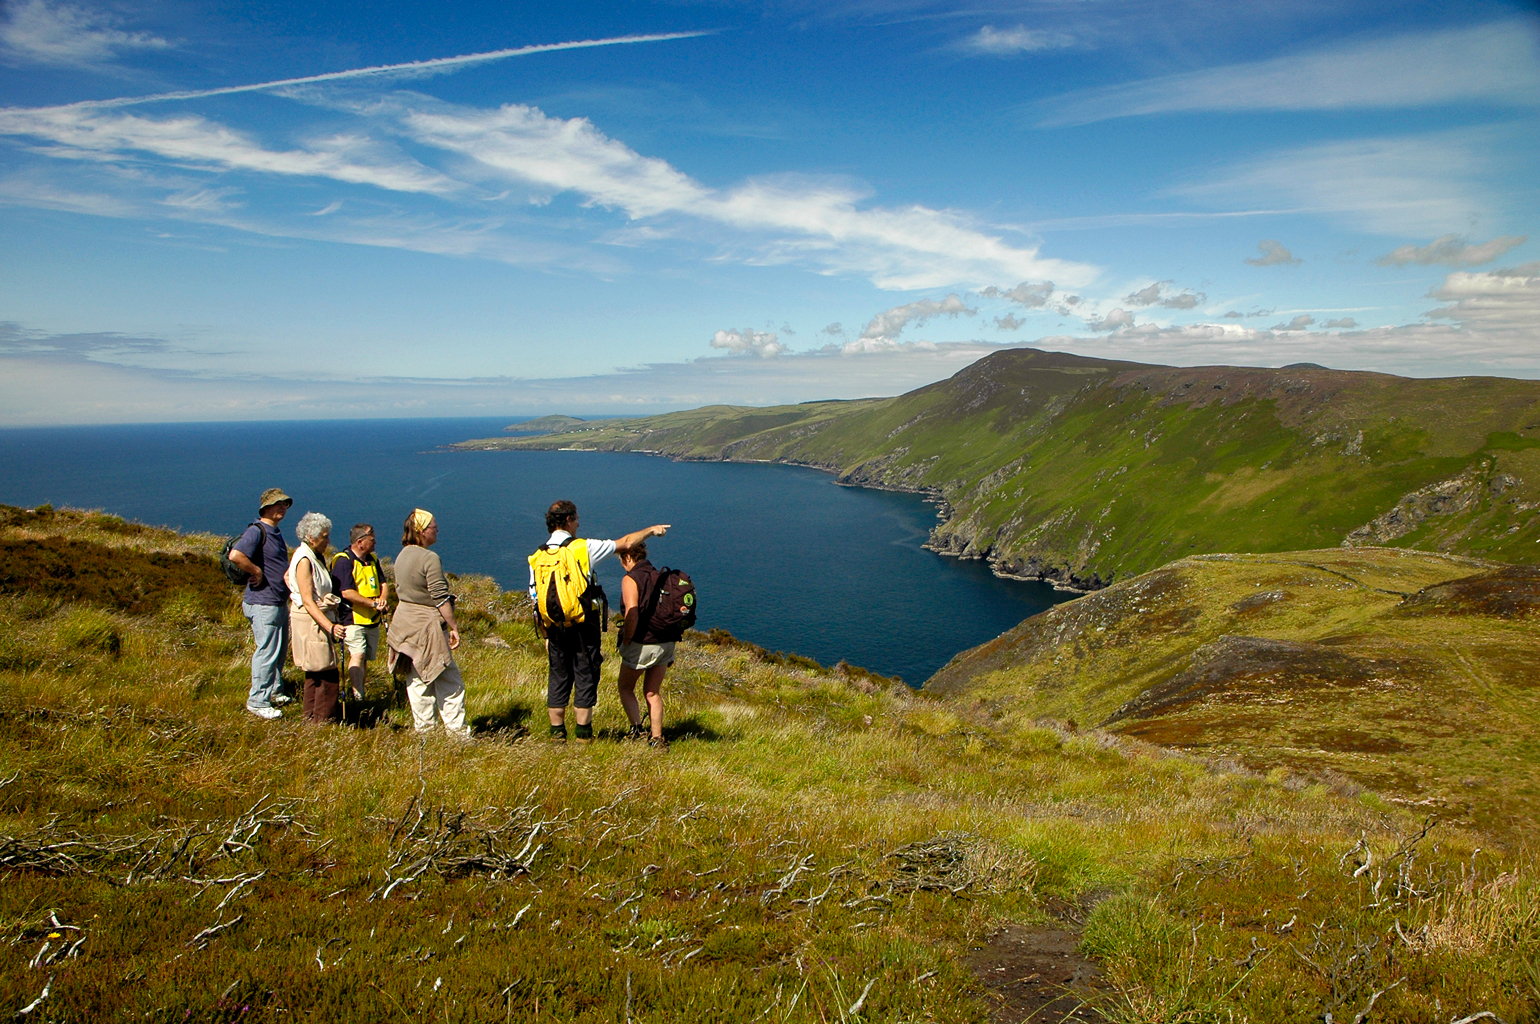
[(1409, 673), (815, 846), (1087, 471)]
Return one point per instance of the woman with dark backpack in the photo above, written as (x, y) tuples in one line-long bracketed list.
[(648, 634)]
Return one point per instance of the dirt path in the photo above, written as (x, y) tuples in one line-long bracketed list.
[(1035, 974)]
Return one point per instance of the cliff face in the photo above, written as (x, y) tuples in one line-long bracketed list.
[(1085, 471)]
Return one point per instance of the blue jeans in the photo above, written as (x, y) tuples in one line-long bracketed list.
[(270, 628)]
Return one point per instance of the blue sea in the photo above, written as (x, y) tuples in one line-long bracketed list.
[(781, 556)]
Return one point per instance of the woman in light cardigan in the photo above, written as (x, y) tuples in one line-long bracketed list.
[(424, 631), (313, 630)]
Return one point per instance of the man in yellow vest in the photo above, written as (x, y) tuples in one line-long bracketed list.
[(358, 580), (573, 651)]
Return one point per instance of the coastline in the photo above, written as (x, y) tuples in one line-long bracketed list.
[(944, 544)]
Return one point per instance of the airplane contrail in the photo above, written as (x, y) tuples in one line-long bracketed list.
[(385, 69)]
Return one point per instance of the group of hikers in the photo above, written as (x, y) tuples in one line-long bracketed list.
[(312, 605)]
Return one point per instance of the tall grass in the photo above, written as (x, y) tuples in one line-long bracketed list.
[(809, 838)]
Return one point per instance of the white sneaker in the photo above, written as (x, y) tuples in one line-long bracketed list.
[(267, 713), (282, 699)]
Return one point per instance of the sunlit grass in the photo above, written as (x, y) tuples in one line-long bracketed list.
[(807, 835)]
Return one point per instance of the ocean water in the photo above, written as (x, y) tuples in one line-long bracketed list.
[(781, 556)]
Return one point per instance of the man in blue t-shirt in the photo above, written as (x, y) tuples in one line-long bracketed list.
[(261, 551)]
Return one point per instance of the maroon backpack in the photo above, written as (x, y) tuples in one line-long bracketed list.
[(671, 610)]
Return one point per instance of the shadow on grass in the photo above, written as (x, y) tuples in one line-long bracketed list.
[(369, 712), (511, 722), (691, 728)]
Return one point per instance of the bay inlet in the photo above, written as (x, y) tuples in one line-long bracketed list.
[(782, 556)]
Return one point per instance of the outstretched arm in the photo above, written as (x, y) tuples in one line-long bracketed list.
[(631, 540)]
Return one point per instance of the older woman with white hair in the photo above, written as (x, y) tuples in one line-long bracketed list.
[(313, 630)]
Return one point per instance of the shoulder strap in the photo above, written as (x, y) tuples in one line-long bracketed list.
[(655, 594)]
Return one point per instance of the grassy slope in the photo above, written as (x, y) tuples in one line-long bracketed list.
[(761, 868), (1311, 662), (1093, 470)]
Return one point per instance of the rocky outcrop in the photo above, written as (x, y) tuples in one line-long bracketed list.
[(1445, 498)]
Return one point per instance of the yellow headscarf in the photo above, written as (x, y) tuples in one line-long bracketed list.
[(421, 519)]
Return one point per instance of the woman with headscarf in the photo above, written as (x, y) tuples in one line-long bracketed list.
[(424, 631), (313, 631)]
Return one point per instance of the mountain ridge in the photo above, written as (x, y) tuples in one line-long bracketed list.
[(1083, 471)]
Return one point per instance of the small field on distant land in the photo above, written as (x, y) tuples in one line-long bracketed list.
[(817, 845)]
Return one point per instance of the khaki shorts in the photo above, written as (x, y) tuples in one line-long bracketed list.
[(363, 640), (641, 656)]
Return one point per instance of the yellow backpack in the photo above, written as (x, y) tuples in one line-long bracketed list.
[(565, 594)]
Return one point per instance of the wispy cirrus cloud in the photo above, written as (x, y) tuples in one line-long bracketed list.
[(825, 224), (1497, 62), (1407, 185), (1011, 42), (66, 35), (100, 378), (191, 141)]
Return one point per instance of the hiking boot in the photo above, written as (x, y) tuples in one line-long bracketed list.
[(558, 734), (638, 732), (266, 713), (657, 743), (583, 733)]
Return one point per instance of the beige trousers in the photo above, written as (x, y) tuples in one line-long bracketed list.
[(444, 695)]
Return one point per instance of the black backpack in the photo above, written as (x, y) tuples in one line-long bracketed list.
[(234, 573), (672, 608)]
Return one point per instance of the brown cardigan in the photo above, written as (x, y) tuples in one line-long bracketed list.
[(420, 633)]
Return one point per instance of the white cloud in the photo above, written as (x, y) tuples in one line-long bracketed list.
[(1346, 323), (1159, 293), (749, 342), (1008, 42), (1494, 63), (1494, 300), (812, 221), (1033, 296), (189, 140), (39, 32), (1451, 251), (1274, 254), (820, 223), (1413, 349), (1299, 323), (1009, 322), (882, 332), (1415, 185), (1118, 319)]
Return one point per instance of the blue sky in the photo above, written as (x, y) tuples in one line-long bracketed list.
[(254, 211)]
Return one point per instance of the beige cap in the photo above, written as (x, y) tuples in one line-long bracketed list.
[(272, 496)]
